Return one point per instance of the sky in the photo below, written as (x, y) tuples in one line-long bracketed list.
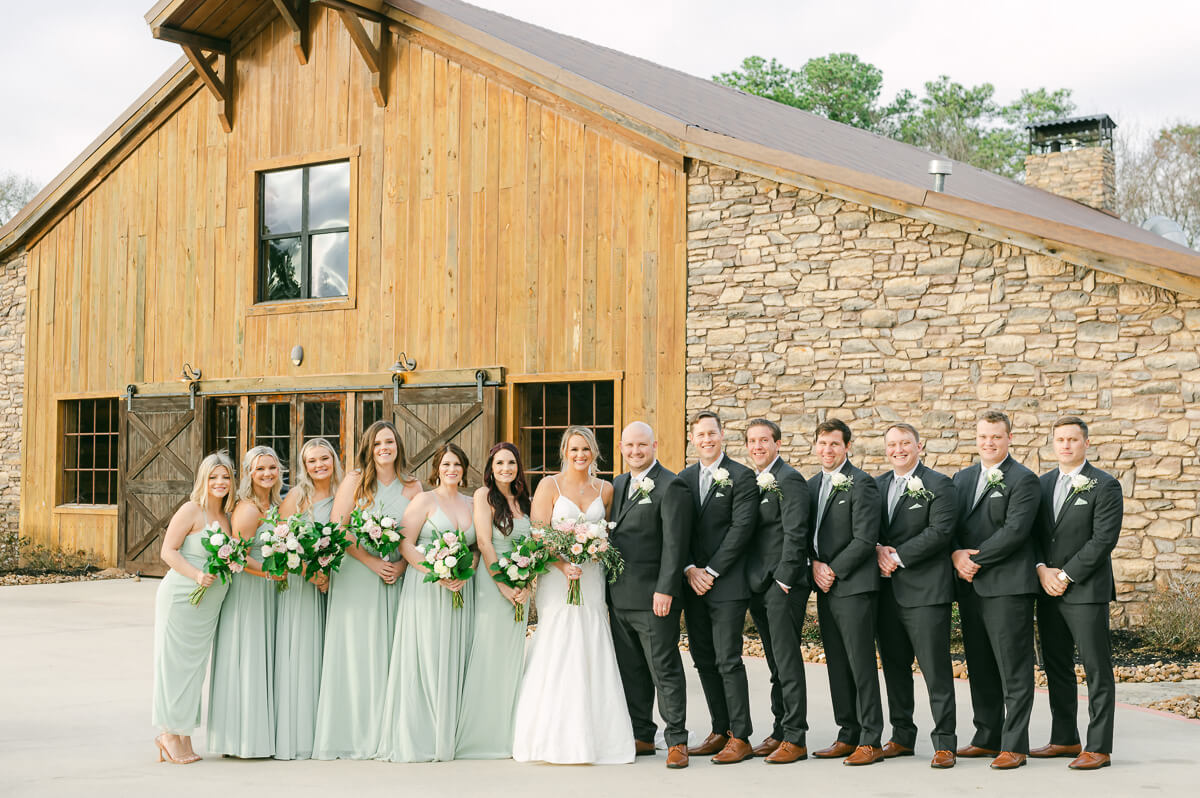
[(71, 67)]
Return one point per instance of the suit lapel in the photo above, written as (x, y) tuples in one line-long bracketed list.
[(620, 488), (693, 478), (886, 490), (713, 490), (966, 498), (627, 503)]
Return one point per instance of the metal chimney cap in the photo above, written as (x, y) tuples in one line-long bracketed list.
[(940, 167)]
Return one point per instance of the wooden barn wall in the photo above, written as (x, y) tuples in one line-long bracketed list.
[(490, 229)]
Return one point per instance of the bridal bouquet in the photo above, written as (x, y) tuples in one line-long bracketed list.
[(448, 557), (280, 549), (530, 557), (578, 542), (226, 557), (379, 534), (324, 544)]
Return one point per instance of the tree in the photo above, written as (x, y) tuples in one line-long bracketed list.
[(838, 86), (1160, 175), (15, 192)]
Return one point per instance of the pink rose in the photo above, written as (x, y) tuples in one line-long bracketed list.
[(225, 551), (324, 561), (323, 543), (593, 548), (235, 567), (576, 549), (581, 537), (281, 529), (522, 561)]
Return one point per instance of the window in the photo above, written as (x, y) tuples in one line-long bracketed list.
[(323, 420), (273, 427), (546, 409), (371, 411), (304, 232), (90, 456), (225, 429)]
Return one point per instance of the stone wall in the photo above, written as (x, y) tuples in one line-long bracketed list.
[(803, 306), (12, 400), (1088, 175)]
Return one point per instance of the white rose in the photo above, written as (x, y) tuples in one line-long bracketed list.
[(838, 479), (514, 573), (293, 561), (765, 480), (217, 540), (388, 523), (292, 544), (266, 552), (646, 484), (1080, 482), (451, 561), (994, 474), (720, 475), (392, 536), (915, 484), (264, 537)]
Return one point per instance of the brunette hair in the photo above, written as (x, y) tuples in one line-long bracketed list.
[(364, 459), (909, 428), (703, 414), (214, 461), (833, 425), (443, 450), (996, 417), (245, 490), (502, 515), (1072, 421), (590, 438), (776, 433), (304, 485)]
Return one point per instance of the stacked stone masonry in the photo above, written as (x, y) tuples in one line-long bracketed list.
[(12, 400), (803, 306), (1086, 175)]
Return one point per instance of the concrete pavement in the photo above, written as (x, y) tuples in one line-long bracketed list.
[(75, 687)]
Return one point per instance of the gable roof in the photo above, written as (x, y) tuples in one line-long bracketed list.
[(701, 119)]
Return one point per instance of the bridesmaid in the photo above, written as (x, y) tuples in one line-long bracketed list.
[(363, 599), (241, 700), (183, 634), (429, 659), (300, 627), (497, 652)]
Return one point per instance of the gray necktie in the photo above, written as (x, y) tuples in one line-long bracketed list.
[(634, 483), (1061, 491), (897, 491), (822, 498), (706, 481), (982, 486)]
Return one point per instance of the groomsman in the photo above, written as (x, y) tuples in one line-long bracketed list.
[(846, 508), (993, 556), (916, 532), (1082, 509), (725, 501), (777, 568), (652, 510)]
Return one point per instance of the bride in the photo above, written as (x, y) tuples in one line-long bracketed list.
[(571, 707)]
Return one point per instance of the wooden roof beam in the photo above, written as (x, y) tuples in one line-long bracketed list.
[(374, 53), (219, 81), (187, 39), (295, 14)]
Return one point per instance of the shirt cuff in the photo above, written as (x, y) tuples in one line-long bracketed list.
[(687, 568), (782, 585), (1068, 576), (1040, 565), (711, 571), (896, 557)]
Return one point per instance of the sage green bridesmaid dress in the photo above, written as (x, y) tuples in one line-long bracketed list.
[(359, 625), (299, 642), (241, 698), (183, 638), (429, 659), (494, 665)]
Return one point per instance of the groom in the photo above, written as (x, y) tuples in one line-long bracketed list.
[(652, 510)]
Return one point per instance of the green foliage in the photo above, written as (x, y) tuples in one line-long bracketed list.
[(964, 123), (1160, 175), (1172, 620), (38, 558), (15, 193)]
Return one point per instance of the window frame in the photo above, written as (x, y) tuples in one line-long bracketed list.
[(256, 307), (62, 499)]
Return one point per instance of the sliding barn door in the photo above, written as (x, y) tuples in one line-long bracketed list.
[(430, 417)]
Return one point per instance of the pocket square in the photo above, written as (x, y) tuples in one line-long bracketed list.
[(843, 501), (996, 495), (720, 495), (645, 501), (1080, 501), (916, 506), (764, 501)]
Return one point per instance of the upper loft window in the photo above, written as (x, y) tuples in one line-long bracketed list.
[(304, 232)]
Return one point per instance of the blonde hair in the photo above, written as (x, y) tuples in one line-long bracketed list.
[(215, 460), (589, 437), (245, 490), (304, 485)]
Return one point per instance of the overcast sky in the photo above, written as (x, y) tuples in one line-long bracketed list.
[(71, 67)]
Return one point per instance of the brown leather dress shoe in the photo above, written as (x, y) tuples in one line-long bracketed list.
[(643, 748), (974, 751), (943, 760), (892, 750), (1089, 760), (766, 747), (677, 757), (736, 750), (1051, 750), (864, 755), (1008, 761), (711, 745), (835, 751), (787, 753)]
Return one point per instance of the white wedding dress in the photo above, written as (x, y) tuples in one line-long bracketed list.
[(571, 706)]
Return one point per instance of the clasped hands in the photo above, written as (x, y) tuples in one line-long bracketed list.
[(1052, 583), (700, 580), (964, 565), (823, 575), (886, 557)]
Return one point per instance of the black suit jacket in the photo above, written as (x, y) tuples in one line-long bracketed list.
[(652, 535), (723, 527), (848, 533), (780, 548), (922, 532), (1000, 525), (1081, 539)]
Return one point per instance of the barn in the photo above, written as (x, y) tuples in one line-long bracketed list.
[(331, 212)]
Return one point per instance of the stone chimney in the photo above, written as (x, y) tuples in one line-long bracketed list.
[(1074, 159)]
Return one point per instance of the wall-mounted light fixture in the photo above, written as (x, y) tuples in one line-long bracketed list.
[(297, 355), (192, 378), (402, 364)]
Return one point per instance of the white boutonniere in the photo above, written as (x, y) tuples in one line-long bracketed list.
[(915, 488), (768, 484), (995, 478), (721, 478), (643, 489), (1080, 484), (841, 482)]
